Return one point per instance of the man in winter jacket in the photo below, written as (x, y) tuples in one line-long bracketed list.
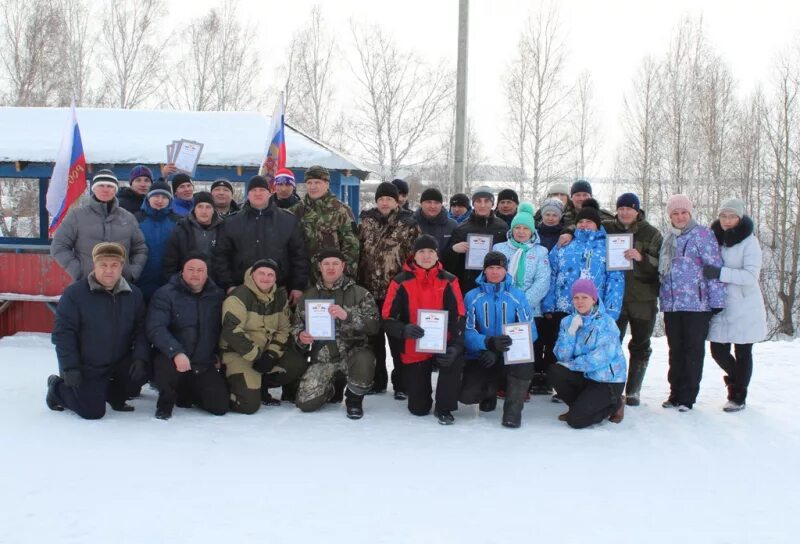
[(590, 374), (325, 221), (425, 285), (640, 302), (482, 221), (157, 221), (347, 360), (183, 323), (255, 340), (494, 303), (261, 231), (402, 193), (183, 192), (460, 208), (196, 232), (580, 192), (100, 340), (99, 220), (131, 198), (432, 217), (285, 188), (507, 204), (222, 193), (386, 237)]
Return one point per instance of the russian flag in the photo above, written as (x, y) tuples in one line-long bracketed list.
[(276, 145), (68, 181)]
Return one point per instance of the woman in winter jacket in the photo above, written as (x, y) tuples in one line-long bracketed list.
[(157, 220), (590, 374), (687, 298), (743, 321)]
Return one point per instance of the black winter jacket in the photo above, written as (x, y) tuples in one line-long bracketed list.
[(95, 329), (455, 262), (189, 235), (440, 227), (179, 321), (254, 234), (130, 200)]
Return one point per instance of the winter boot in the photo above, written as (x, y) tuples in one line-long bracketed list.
[(488, 405), (163, 413), (51, 399), (289, 391), (539, 385), (353, 403), (733, 406), (122, 407), (515, 399), (635, 379), (445, 417), (619, 413)]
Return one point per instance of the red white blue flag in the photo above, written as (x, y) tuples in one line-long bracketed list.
[(68, 181), (276, 145)]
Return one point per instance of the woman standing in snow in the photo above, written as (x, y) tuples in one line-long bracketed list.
[(743, 321)]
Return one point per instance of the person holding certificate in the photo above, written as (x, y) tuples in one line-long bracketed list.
[(495, 303), (590, 374), (336, 307), (424, 309)]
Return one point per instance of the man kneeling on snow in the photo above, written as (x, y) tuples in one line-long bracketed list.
[(100, 340), (348, 359)]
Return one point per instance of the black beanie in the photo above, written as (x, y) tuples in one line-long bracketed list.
[(495, 258), (431, 193), (257, 182), (460, 199), (179, 180), (402, 186), (222, 182), (387, 189), (160, 188), (508, 194), (203, 196), (580, 186), (194, 254), (265, 263), (426, 241), (591, 211), (328, 252)]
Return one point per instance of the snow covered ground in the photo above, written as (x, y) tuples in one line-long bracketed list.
[(283, 476)]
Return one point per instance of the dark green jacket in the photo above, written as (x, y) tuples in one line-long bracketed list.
[(641, 283)]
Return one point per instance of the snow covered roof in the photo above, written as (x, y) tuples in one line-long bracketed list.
[(118, 136)]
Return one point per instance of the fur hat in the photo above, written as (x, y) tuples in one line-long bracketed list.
[(111, 250)]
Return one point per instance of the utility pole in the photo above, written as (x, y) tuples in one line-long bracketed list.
[(460, 166)]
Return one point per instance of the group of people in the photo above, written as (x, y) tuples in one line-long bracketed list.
[(206, 299)]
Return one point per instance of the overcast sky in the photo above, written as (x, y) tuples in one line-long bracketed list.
[(607, 37)]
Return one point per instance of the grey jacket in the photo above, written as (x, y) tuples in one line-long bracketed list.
[(90, 224)]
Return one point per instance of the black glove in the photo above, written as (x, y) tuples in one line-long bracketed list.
[(488, 359), (447, 359), (266, 362), (499, 343), (715, 311), (711, 272), (413, 331), (138, 371), (72, 377)]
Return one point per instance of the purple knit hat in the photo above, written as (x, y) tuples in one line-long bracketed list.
[(139, 171), (584, 286)]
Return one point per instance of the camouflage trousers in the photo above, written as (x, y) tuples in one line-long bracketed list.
[(317, 384), (244, 383)]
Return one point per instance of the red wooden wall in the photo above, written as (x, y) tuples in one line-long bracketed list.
[(30, 274)]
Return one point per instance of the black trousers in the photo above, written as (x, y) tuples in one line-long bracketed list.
[(418, 386), (738, 367), (479, 383), (589, 401), (547, 330), (377, 343), (641, 316), (686, 338), (205, 388), (88, 400)]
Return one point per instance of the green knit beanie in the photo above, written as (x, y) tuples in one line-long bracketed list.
[(524, 217)]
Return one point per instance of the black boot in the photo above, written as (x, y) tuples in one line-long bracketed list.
[(51, 399), (515, 399), (339, 383), (488, 405), (635, 379), (539, 385), (122, 407), (354, 405), (163, 413)]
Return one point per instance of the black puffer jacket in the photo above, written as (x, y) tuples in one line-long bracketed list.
[(251, 234), (455, 262), (130, 200), (189, 235), (440, 227), (179, 321)]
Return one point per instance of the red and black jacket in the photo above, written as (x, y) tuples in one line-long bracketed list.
[(416, 288)]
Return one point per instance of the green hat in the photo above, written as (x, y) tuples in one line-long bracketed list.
[(524, 217)]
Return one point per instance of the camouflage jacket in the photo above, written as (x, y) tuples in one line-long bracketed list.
[(386, 243), (363, 319), (327, 223)]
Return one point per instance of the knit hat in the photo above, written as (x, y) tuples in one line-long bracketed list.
[(580, 186), (495, 258), (460, 199), (734, 205), (194, 254), (328, 252), (160, 188), (679, 202), (105, 177), (387, 189), (431, 193), (483, 192), (265, 263), (139, 171), (584, 286), (257, 182), (426, 241), (552, 205), (524, 217), (314, 172), (590, 211), (203, 196), (628, 200), (508, 194), (222, 182), (402, 186), (284, 176), (179, 180), (558, 189), (108, 249)]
